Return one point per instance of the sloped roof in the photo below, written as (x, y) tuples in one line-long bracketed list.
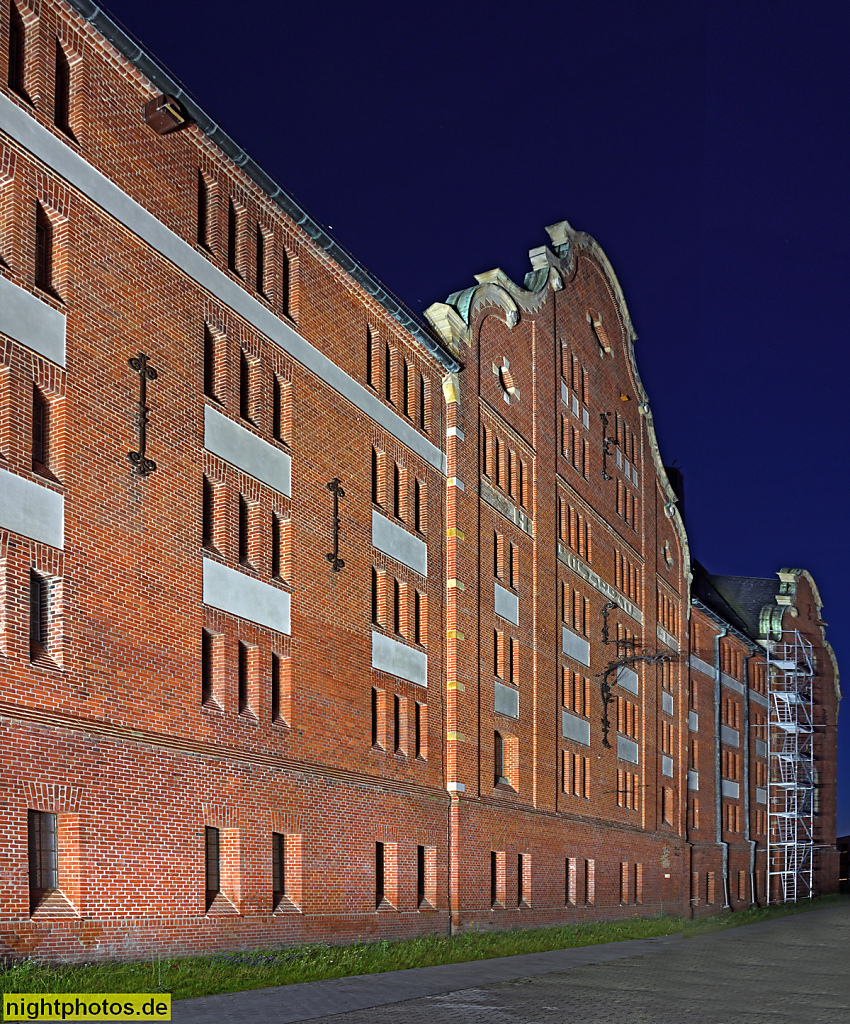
[(737, 599)]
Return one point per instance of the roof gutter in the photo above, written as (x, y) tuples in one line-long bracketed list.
[(163, 81)]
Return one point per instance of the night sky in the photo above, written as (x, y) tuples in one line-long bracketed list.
[(704, 145)]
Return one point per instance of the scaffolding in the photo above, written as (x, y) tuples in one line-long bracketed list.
[(791, 777)]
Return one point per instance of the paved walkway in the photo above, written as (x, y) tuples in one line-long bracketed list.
[(793, 970)]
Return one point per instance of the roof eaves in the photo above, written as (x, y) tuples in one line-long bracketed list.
[(164, 81)]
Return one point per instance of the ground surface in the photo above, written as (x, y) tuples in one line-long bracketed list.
[(793, 970)]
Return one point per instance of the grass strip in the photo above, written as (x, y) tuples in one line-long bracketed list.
[(218, 973), (734, 919)]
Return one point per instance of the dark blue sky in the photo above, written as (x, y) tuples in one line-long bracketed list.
[(704, 145)]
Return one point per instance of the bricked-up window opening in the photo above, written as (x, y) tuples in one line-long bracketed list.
[(207, 515), (244, 531), (695, 887), (281, 395), (694, 808), (570, 881), (17, 51), (62, 91), (232, 237), (499, 760), (423, 403), (244, 386), (285, 284), (244, 668), (497, 462), (278, 868), (261, 261), (396, 724), (418, 510), (40, 431), (374, 717), (212, 852), (512, 565), (420, 876), (520, 880), (380, 893), (498, 653), (276, 687), (39, 614), (396, 607), (709, 887), (513, 660), (43, 855), (637, 870), (207, 666), (624, 881), (376, 621), (388, 373), (43, 250), (203, 236), (667, 805), (742, 885), (590, 881)]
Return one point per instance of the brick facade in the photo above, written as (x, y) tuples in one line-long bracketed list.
[(218, 736)]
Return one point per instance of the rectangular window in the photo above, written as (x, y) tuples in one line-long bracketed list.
[(374, 717), (203, 236), (396, 607), (40, 431), (62, 91), (209, 363), (232, 237), (261, 261), (370, 358), (38, 615), (43, 855), (276, 688), (419, 729), (285, 284), (276, 546), (418, 506), (244, 386), (494, 878), (417, 617), (207, 521), (396, 490), (244, 532), (17, 53), (380, 893), (499, 760), (423, 403), (420, 875), (405, 387), (388, 373), (212, 858), (43, 250), (244, 669), (278, 867), (397, 723), (376, 495), (206, 666)]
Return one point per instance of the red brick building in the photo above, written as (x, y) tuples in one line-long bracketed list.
[(318, 622)]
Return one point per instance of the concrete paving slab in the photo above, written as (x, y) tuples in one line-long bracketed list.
[(793, 970)]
